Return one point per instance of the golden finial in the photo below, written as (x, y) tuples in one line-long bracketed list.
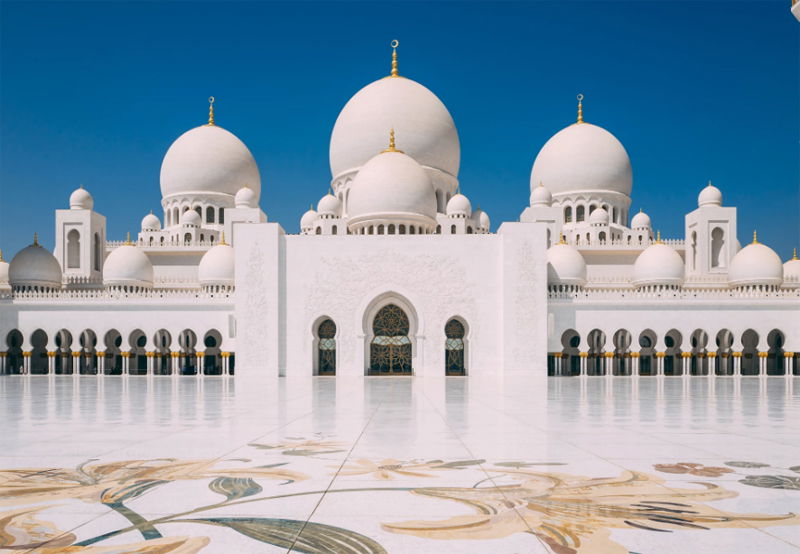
[(658, 237), (395, 44), (128, 238), (222, 240), (36, 239), (210, 111), (392, 147), (755, 237), (580, 108), (794, 254), (1, 256), (562, 239)]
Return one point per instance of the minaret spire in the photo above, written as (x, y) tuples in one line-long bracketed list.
[(395, 43), (210, 111), (580, 108), (36, 239), (794, 254), (755, 237)]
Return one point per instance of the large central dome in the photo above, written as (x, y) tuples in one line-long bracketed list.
[(419, 117)]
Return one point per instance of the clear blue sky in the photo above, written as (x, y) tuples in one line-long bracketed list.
[(94, 93)]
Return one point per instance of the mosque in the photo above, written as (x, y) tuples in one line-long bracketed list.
[(395, 272)]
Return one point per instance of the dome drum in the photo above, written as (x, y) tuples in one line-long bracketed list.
[(362, 223)]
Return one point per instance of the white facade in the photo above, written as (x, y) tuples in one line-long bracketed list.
[(394, 272)]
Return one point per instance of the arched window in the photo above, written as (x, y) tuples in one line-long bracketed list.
[(390, 349), (199, 211), (335, 230), (602, 236), (162, 240), (73, 249), (438, 230), (98, 252), (187, 238), (717, 242), (371, 229), (209, 215), (454, 348), (222, 215), (592, 208), (318, 231), (326, 348), (390, 230), (202, 237), (469, 229), (568, 214), (452, 229), (579, 213), (401, 229), (694, 250), (412, 230), (151, 240)]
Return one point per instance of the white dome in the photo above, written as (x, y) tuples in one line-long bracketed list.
[(80, 199), (34, 266), (459, 205), (329, 205), (599, 217), (541, 196), (208, 159), (150, 222), (709, 196), (217, 266), (565, 265), (640, 221), (483, 221), (583, 157), (127, 266), (755, 264), (392, 185), (423, 124), (308, 219), (658, 264), (3, 270), (191, 217), (791, 271), (246, 198)]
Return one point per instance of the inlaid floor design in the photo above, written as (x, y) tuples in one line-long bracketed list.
[(400, 464)]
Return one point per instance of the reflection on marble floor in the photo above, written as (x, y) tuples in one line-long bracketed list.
[(570, 465)]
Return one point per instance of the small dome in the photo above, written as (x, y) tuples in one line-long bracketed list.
[(640, 221), (755, 264), (80, 199), (246, 198), (34, 266), (565, 265), (709, 196), (329, 205), (3, 270), (481, 219), (208, 159), (541, 196), (127, 266), (459, 205), (599, 217), (422, 122), (190, 217), (791, 271), (392, 185), (217, 266), (583, 157), (658, 264), (308, 219), (150, 222)]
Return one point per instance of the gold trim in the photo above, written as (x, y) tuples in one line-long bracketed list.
[(755, 237), (580, 108), (391, 148), (211, 111), (794, 255)]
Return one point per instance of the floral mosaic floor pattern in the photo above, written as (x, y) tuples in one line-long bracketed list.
[(562, 466)]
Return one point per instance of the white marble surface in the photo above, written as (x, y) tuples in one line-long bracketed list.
[(400, 464)]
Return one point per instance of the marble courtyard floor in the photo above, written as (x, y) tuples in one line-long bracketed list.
[(562, 465)]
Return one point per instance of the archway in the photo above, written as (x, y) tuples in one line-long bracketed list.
[(87, 362), (622, 359), (137, 360), (775, 358), (212, 356), (39, 358), (63, 365), (14, 358), (162, 354), (570, 355), (699, 361), (390, 347), (750, 353), (647, 352), (673, 360), (326, 347), (595, 362), (455, 348), (113, 355), (188, 357), (724, 361)]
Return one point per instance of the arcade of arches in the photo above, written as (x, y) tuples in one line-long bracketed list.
[(692, 355)]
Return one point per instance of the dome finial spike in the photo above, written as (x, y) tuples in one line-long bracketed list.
[(2, 260), (755, 237), (580, 108), (794, 254), (395, 43), (658, 237), (128, 238), (210, 111), (392, 147), (36, 239), (222, 239)]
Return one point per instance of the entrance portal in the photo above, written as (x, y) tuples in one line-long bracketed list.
[(390, 349), (454, 348)]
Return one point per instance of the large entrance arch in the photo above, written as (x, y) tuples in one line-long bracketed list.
[(390, 350)]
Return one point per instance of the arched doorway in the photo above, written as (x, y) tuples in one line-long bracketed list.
[(673, 356), (454, 360), (647, 352), (39, 359), (595, 361), (63, 362), (724, 360), (113, 354), (137, 358), (622, 359), (188, 356), (87, 362), (699, 362), (212, 356), (326, 347), (750, 353), (390, 348), (163, 356), (775, 340), (570, 355)]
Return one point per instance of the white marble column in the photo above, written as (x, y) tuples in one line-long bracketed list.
[(737, 363)]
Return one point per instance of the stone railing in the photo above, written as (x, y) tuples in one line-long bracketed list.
[(624, 293), (210, 294)]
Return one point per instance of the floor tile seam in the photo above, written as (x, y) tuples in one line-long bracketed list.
[(489, 476), (333, 479)]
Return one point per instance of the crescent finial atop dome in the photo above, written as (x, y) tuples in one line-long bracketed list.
[(580, 108), (755, 237), (210, 111), (392, 147), (36, 239), (395, 43)]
